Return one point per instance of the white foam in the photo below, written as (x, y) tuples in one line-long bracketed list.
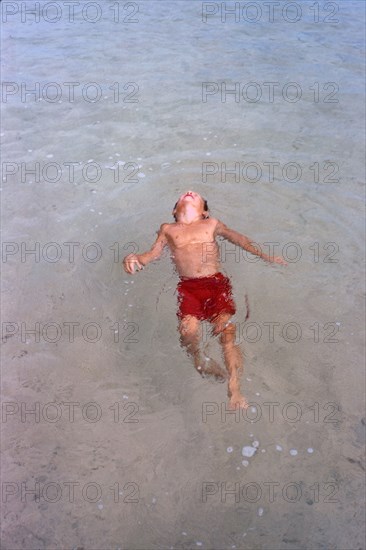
[(293, 452), (310, 450), (248, 451), (278, 448)]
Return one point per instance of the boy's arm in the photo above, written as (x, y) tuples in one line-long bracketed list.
[(245, 242), (139, 261)]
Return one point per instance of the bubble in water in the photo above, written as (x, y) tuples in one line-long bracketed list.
[(248, 451)]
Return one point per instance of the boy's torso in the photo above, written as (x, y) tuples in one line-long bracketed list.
[(193, 247)]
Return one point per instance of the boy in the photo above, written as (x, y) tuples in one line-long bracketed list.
[(204, 293)]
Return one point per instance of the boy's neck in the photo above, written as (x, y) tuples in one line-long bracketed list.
[(189, 215)]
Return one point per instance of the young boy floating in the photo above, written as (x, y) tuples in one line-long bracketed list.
[(204, 293)]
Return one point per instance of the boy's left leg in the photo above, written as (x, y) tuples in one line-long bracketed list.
[(190, 329), (232, 356)]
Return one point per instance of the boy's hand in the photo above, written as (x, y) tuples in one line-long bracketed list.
[(132, 263), (279, 260)]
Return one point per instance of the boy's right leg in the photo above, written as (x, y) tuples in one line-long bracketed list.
[(189, 328)]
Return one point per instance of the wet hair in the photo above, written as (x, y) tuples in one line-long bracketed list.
[(205, 209)]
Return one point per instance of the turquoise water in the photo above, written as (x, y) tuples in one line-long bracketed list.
[(109, 172)]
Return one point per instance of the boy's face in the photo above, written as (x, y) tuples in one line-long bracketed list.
[(190, 197)]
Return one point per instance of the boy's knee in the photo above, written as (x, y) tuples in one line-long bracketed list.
[(228, 334), (189, 326)]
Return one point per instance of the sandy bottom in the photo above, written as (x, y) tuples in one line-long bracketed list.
[(127, 446)]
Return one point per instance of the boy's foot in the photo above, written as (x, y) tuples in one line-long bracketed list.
[(238, 401), (212, 368), (208, 367)]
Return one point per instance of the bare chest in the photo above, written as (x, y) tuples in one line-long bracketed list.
[(181, 235)]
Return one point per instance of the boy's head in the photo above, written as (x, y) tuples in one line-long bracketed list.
[(195, 200)]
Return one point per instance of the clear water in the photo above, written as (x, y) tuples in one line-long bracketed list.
[(174, 451)]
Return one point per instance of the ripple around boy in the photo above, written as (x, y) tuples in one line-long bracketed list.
[(204, 292)]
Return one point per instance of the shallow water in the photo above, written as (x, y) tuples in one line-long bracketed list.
[(156, 428)]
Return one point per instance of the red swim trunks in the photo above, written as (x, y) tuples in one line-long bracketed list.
[(205, 297)]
